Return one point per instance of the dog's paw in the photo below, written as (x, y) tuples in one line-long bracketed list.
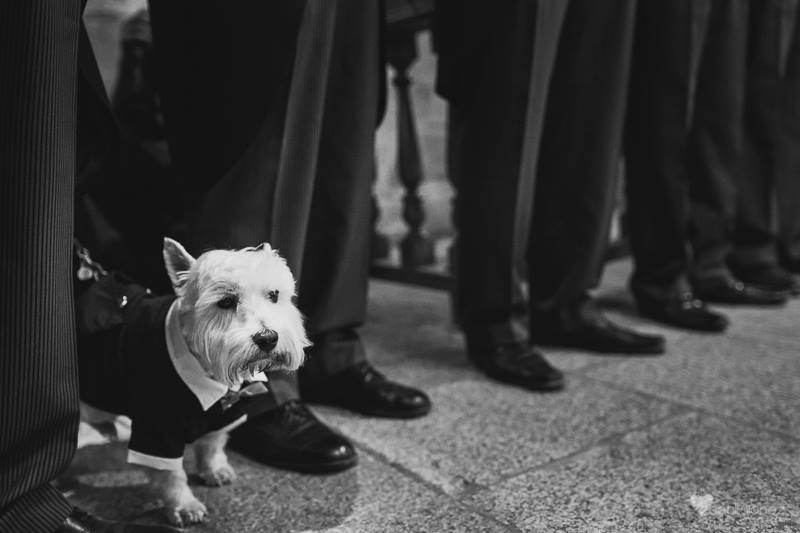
[(190, 512), (219, 476)]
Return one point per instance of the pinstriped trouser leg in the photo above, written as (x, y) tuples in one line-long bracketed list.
[(38, 374), (300, 154)]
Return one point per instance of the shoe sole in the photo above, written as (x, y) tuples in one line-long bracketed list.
[(303, 468), (681, 325), (549, 386), (327, 468), (377, 413), (656, 350), (744, 303)]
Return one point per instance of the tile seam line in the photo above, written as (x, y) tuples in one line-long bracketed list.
[(413, 476), (705, 411), (677, 412)]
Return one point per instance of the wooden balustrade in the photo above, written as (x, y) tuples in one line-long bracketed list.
[(406, 18)]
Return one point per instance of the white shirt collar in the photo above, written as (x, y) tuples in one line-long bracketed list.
[(207, 390)]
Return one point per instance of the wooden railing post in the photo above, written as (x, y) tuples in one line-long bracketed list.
[(379, 244), (415, 249)]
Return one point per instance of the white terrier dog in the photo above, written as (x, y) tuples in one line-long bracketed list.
[(178, 362)]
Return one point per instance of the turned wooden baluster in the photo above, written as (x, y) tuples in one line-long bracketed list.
[(379, 244), (415, 249)]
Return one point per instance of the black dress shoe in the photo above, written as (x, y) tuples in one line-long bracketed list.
[(82, 522), (518, 364), (735, 292), (364, 390), (582, 325), (768, 277), (291, 437), (598, 335), (684, 312)]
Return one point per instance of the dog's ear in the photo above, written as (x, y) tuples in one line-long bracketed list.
[(264, 246), (178, 262)]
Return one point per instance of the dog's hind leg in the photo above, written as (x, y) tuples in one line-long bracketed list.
[(181, 505), (212, 463)]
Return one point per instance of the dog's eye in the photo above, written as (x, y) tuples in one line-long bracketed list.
[(228, 301), (273, 296)]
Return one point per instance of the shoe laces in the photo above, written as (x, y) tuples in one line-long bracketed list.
[(296, 413)]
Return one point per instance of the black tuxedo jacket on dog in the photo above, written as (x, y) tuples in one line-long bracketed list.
[(126, 368)]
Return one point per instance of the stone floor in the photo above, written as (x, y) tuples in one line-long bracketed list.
[(703, 438)]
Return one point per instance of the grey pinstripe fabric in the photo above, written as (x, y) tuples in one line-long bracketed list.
[(302, 130), (38, 374), (321, 213)]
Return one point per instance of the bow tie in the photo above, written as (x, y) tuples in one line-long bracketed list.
[(251, 389)]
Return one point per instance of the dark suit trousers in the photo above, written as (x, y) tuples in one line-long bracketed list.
[(772, 136), (38, 370), (581, 151), (681, 148), (493, 145), (540, 199), (292, 164)]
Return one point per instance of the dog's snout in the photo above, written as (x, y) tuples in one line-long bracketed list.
[(266, 339)]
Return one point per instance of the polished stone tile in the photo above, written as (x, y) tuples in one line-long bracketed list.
[(692, 473), (372, 497), (480, 432), (750, 379)]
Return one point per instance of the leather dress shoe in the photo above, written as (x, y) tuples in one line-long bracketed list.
[(582, 325), (80, 521), (735, 292), (601, 336), (518, 364), (769, 277), (362, 389), (685, 312), (291, 437)]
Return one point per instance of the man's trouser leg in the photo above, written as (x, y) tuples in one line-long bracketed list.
[(238, 109), (666, 56), (334, 279), (716, 141), (38, 370), (581, 150), (493, 147)]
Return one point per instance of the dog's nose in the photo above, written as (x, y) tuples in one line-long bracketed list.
[(266, 339)]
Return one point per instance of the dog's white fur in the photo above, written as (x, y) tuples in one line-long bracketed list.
[(261, 288)]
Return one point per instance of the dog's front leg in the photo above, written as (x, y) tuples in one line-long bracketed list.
[(212, 463), (181, 505)]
